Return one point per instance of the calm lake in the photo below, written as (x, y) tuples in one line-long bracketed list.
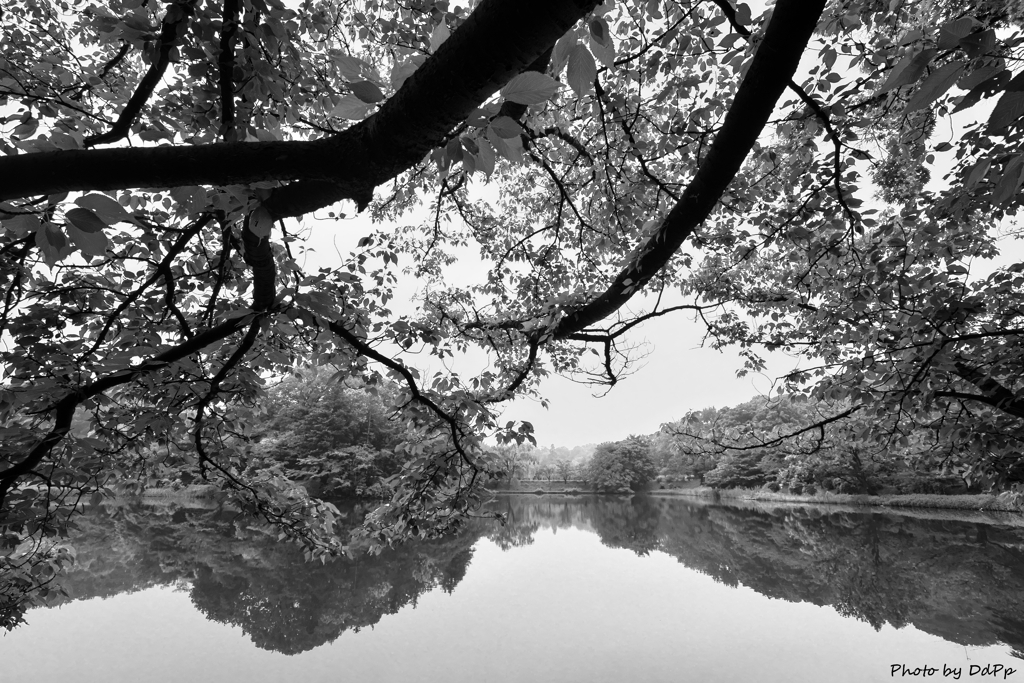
[(571, 589)]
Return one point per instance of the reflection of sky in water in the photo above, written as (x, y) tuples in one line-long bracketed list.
[(564, 608)]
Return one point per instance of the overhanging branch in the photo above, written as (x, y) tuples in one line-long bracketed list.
[(226, 67), (64, 408), (175, 25), (770, 72), (498, 40), (993, 393)]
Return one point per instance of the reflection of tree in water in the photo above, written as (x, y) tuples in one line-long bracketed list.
[(631, 523), (241, 576), (292, 606), (870, 585), (517, 527), (962, 581)]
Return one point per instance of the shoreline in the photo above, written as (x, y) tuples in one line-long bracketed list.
[(205, 496), (973, 502)]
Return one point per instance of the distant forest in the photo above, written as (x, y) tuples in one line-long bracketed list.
[(337, 439)]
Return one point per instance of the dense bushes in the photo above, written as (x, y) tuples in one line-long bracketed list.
[(336, 439), (794, 444)]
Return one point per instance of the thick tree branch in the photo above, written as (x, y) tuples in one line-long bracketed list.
[(771, 70), (259, 256), (498, 40), (111, 63), (226, 67), (609, 334), (175, 25), (993, 393)]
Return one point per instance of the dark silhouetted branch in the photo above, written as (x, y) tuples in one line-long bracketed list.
[(770, 72), (226, 67), (175, 25)]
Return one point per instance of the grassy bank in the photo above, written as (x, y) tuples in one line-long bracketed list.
[(972, 502)]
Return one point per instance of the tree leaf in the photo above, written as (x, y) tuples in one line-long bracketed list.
[(109, 211), (468, 163), (351, 68), (90, 243), (935, 86), (51, 243), (978, 76), (561, 52), (439, 35), (977, 173), (505, 127), (22, 225), (351, 107), (500, 146), (908, 70), (401, 72), (599, 30), (987, 88), (366, 91), (604, 51), (453, 152), (1009, 182), (85, 220), (515, 149), (530, 87), (510, 148), (978, 44), (952, 32), (1007, 110), (581, 70), (1016, 83), (485, 157), (261, 223)]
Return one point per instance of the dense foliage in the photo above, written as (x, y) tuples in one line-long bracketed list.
[(335, 439), (768, 442), (622, 466), (155, 158)]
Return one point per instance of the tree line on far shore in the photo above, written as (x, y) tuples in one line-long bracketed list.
[(338, 440)]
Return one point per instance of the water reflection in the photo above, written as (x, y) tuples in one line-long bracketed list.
[(960, 579)]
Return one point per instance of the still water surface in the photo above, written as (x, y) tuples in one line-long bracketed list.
[(591, 589)]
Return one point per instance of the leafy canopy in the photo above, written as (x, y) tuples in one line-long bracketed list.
[(622, 467), (815, 178)]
